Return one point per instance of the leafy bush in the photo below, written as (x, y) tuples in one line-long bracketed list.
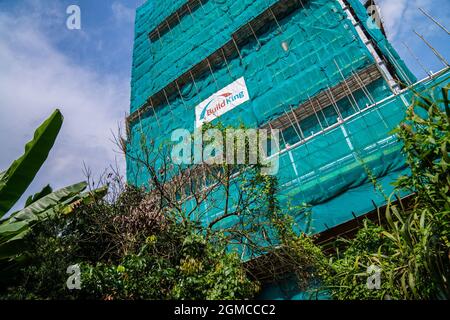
[(176, 264), (347, 277), (413, 248), (127, 253), (39, 207)]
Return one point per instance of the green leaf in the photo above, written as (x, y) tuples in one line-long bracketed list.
[(45, 191), (390, 236), (18, 225), (412, 283), (10, 230), (14, 246), (85, 198), (32, 212), (17, 178), (404, 286)]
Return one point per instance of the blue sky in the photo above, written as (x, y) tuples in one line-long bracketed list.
[(86, 73)]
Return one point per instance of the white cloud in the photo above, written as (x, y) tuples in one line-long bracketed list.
[(401, 16), (392, 13), (35, 79), (122, 13)]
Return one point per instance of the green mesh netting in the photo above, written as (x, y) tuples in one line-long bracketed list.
[(330, 170)]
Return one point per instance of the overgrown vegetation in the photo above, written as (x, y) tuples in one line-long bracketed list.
[(125, 253), (135, 244), (412, 250), (16, 226), (149, 245)]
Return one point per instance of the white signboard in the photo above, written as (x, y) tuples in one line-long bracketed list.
[(221, 102)]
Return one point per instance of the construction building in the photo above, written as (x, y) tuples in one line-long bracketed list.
[(321, 71)]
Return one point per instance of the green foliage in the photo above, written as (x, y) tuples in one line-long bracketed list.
[(45, 191), (421, 231), (18, 225), (39, 207), (413, 248), (177, 264), (147, 246), (42, 275), (347, 277), (15, 180), (160, 259)]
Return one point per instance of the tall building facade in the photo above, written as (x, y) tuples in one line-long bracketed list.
[(320, 71)]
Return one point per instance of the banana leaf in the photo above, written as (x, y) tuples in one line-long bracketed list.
[(45, 191), (64, 201), (15, 181), (13, 246), (31, 212), (10, 230)]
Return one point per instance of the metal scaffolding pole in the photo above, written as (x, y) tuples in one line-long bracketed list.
[(195, 85), (417, 59), (321, 110), (440, 25), (333, 103), (300, 135), (226, 63), (437, 54), (237, 48), (317, 116), (168, 103), (212, 74), (348, 88), (181, 96), (298, 123), (154, 113), (254, 34), (363, 87), (276, 20), (381, 64)]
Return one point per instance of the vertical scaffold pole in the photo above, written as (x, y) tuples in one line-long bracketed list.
[(276, 20), (212, 74), (169, 105), (237, 48), (298, 123), (381, 64), (154, 113), (301, 3), (195, 85), (436, 53), (333, 103), (254, 34), (417, 59), (226, 63), (314, 109), (159, 36), (170, 29), (348, 88), (397, 65), (363, 87), (300, 135), (178, 16), (440, 25), (190, 11), (321, 110), (181, 96)]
